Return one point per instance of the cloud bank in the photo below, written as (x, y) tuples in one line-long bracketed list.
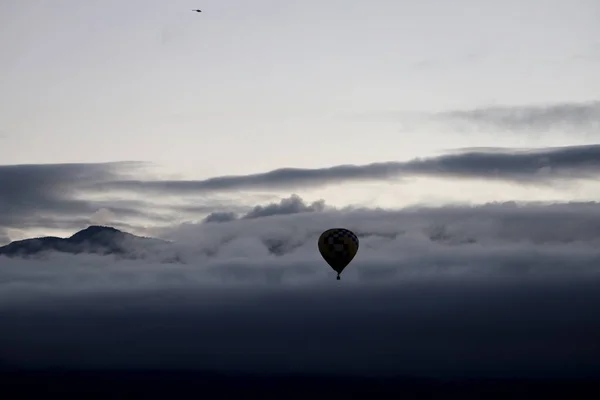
[(291, 205), (71, 196), (584, 116), (533, 165), (498, 290)]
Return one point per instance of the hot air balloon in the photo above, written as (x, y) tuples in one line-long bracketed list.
[(338, 247)]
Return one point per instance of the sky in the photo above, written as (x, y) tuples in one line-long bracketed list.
[(459, 140)]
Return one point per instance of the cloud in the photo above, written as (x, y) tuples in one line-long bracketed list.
[(496, 290), (291, 205), (220, 217), (51, 195), (580, 116), (533, 165), (71, 196)]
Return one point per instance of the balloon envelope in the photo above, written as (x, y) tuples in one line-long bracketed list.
[(338, 247)]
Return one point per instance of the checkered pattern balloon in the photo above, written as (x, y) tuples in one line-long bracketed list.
[(338, 247)]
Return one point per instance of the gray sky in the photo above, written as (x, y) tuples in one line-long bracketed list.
[(350, 95), (253, 86)]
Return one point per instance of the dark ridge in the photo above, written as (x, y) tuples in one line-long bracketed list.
[(95, 230), (94, 239)]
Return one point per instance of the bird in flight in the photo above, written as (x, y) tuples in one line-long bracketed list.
[(197, 10)]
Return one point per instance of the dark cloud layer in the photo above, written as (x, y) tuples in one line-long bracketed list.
[(66, 196), (578, 116), (500, 290), (51, 195), (532, 165)]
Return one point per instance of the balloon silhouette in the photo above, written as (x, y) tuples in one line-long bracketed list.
[(338, 247)]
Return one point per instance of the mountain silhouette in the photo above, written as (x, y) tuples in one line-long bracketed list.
[(94, 239)]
